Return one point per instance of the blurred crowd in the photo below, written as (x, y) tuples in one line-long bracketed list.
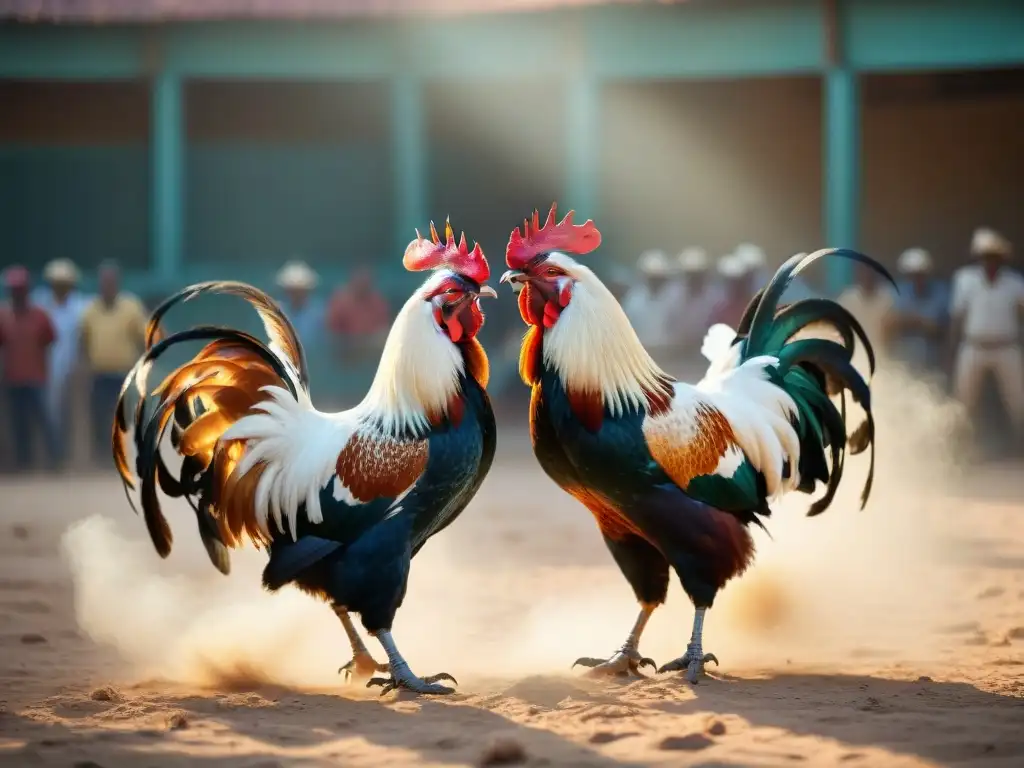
[(62, 351)]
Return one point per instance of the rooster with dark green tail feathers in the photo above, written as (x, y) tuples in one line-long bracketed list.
[(675, 473)]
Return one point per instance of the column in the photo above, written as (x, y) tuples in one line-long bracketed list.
[(582, 142), (167, 166), (842, 170), (408, 148)]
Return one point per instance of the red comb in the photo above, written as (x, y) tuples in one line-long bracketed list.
[(563, 236), (423, 254)]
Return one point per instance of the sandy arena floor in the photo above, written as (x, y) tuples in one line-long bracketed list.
[(888, 637)]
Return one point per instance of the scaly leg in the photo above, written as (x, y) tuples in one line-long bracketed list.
[(694, 659), (627, 660), (363, 665), (402, 676)]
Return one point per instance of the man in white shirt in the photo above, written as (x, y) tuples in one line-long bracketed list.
[(986, 309), (652, 303), (65, 305), (870, 299)]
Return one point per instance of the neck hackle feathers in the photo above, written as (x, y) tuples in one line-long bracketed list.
[(433, 253), (563, 236)]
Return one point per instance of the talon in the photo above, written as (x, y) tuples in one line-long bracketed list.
[(710, 657), (646, 662), (440, 676), (382, 681), (588, 661)]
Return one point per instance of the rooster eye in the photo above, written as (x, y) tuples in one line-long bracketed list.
[(552, 272)]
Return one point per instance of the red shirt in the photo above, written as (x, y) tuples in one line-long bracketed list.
[(349, 314), (24, 338)]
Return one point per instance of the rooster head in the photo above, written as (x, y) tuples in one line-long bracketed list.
[(458, 282), (542, 272)]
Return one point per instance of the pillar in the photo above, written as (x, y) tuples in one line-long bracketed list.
[(408, 145), (583, 142), (167, 166), (842, 170)]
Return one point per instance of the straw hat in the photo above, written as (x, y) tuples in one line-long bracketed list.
[(61, 271), (987, 241), (694, 260), (914, 261), (731, 266), (16, 277), (297, 275), (655, 264), (750, 255)]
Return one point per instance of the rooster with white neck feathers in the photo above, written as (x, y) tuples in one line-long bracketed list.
[(675, 473), (340, 501)]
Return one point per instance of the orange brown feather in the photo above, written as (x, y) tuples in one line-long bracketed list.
[(684, 459)]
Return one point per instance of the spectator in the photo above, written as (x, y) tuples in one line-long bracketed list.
[(735, 291), (650, 303), (65, 306), (113, 336), (298, 281), (870, 301), (26, 335), (700, 295), (986, 307), (358, 316), (917, 321)]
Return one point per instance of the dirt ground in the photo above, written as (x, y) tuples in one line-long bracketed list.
[(892, 636)]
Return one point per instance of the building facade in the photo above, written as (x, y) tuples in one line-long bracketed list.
[(188, 169)]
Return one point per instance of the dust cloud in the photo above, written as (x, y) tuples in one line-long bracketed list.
[(522, 584)]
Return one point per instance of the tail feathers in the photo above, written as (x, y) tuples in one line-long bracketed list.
[(279, 329), (812, 366), (195, 405)]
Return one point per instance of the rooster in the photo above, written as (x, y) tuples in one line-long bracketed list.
[(676, 473), (340, 501)]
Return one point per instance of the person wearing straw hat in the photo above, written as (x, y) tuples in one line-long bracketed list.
[(65, 305), (26, 335), (986, 308), (918, 319), (298, 281), (700, 295), (650, 303)]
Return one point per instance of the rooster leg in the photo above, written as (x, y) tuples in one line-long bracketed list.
[(694, 659), (627, 660), (363, 665), (402, 676)]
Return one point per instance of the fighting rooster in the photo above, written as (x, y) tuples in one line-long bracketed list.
[(340, 501), (675, 473)]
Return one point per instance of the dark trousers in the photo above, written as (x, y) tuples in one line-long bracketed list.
[(29, 419), (106, 387)]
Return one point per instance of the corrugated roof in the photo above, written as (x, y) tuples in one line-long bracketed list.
[(151, 11)]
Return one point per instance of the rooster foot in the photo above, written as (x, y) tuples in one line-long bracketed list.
[(625, 662), (362, 666), (692, 661), (407, 680)]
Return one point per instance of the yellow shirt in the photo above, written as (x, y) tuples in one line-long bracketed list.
[(114, 335)]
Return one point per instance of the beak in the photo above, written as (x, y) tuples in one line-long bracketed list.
[(512, 276), (486, 290)]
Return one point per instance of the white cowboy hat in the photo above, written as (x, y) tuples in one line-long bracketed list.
[(694, 260), (61, 271), (731, 266), (750, 255), (297, 274), (914, 261), (655, 264), (988, 241)]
